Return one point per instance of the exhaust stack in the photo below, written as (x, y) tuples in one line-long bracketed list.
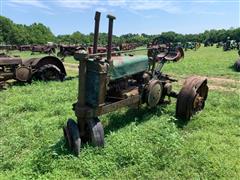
[(96, 31)]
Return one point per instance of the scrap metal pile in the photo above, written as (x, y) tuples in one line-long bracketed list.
[(46, 49)]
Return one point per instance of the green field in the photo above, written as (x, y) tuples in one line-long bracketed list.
[(145, 143)]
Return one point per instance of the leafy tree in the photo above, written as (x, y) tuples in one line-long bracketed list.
[(37, 33)]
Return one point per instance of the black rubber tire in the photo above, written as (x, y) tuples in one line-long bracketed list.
[(96, 132), (56, 74), (75, 140), (237, 65), (67, 136)]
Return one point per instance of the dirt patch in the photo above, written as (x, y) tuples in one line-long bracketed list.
[(219, 83), (223, 81), (221, 88)]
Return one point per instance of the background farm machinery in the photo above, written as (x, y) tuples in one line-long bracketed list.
[(192, 46), (45, 68), (208, 42), (107, 84), (230, 45), (45, 49), (68, 50)]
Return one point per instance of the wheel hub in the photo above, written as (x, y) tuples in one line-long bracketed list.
[(154, 93)]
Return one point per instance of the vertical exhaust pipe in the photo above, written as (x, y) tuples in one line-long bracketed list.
[(110, 32), (96, 31)]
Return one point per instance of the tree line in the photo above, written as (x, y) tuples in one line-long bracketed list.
[(38, 33)]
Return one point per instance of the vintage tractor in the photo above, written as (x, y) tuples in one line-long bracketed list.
[(46, 49), (45, 68), (107, 84), (25, 48), (192, 46), (230, 44), (68, 50)]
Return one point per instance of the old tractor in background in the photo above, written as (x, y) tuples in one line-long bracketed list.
[(25, 48), (44, 49), (192, 45), (230, 44), (108, 83), (45, 68), (208, 42), (68, 50)]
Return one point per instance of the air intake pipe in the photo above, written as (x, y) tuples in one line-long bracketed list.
[(110, 32)]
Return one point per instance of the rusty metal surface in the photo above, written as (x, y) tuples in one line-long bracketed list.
[(192, 97), (25, 48), (47, 49), (98, 94), (46, 68), (36, 63), (127, 46), (23, 73), (10, 61), (68, 50), (154, 92)]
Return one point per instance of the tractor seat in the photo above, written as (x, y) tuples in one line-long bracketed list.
[(171, 56), (128, 65)]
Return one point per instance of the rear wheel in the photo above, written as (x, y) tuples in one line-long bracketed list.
[(50, 72), (191, 98)]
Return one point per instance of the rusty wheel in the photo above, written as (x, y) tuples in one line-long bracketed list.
[(50, 72), (191, 99), (72, 136), (96, 132), (154, 93)]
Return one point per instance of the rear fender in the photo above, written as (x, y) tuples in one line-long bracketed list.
[(37, 63)]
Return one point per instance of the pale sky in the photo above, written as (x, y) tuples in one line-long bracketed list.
[(137, 16)]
